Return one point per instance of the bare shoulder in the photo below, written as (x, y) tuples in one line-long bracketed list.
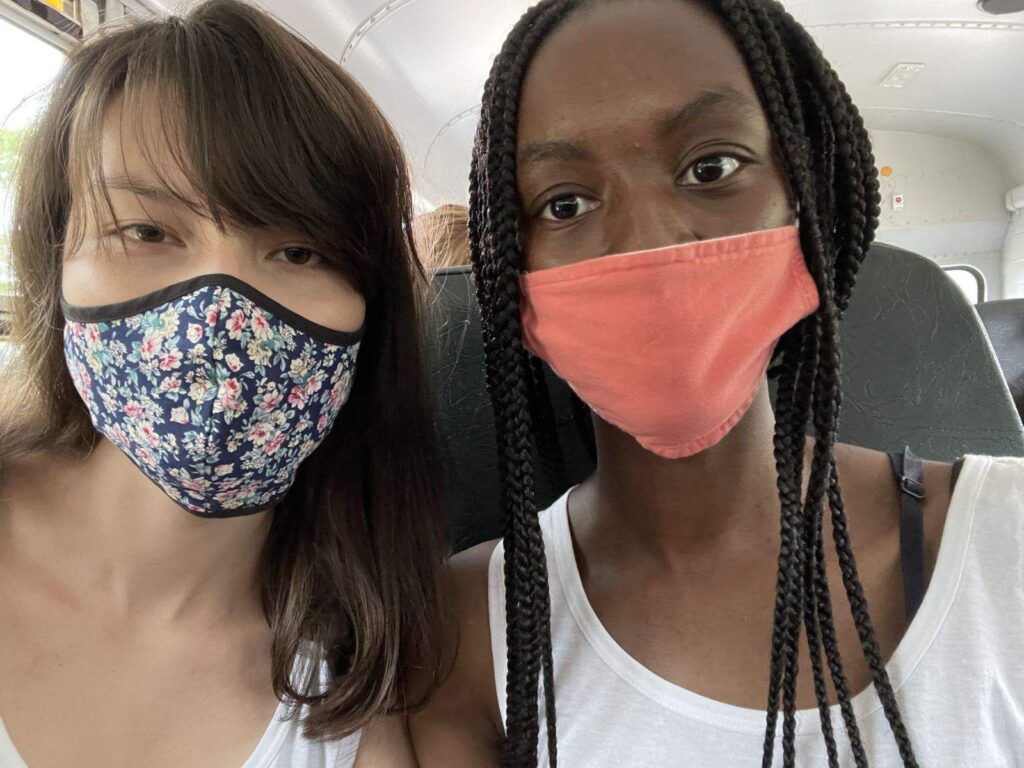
[(385, 743), (873, 494), (460, 726), (468, 571)]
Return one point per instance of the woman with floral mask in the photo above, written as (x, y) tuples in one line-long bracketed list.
[(220, 514), (670, 198)]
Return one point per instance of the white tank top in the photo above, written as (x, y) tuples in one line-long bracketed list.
[(958, 672), (281, 746)]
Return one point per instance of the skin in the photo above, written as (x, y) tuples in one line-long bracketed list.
[(678, 557), (133, 632), (385, 743)]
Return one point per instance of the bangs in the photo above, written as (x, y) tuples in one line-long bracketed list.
[(249, 126), (149, 117)]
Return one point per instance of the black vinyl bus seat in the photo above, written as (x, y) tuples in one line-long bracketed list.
[(918, 366), (918, 370), (455, 356), (1004, 321)]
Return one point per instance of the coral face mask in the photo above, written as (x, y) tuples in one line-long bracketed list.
[(216, 392), (670, 345)]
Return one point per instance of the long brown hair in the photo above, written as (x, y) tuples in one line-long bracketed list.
[(269, 132), (442, 237)]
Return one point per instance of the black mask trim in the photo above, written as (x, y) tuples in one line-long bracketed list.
[(137, 306)]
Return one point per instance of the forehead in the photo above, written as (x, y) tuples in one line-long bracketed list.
[(140, 136), (627, 62), (129, 143)]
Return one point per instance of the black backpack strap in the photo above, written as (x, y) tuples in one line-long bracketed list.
[(909, 471)]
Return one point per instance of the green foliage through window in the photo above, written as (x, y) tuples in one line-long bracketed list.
[(10, 146)]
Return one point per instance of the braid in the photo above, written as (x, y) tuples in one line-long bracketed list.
[(789, 466), (824, 247), (549, 449), (818, 610), (767, 68), (826, 155), (497, 261), (826, 412), (812, 525)]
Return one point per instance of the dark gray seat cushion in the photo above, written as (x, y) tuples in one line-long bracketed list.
[(1004, 321)]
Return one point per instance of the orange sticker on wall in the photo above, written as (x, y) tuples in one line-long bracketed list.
[(886, 170)]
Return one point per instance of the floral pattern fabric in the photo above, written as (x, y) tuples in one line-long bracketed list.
[(213, 397)]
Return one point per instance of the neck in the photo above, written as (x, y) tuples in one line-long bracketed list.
[(102, 526), (725, 494)]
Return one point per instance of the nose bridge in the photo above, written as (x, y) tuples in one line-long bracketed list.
[(650, 214), (226, 251)]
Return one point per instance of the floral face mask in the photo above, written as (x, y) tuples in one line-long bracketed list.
[(215, 391)]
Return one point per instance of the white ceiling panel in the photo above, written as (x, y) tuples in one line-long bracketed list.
[(325, 23), (426, 69), (425, 61), (811, 12)]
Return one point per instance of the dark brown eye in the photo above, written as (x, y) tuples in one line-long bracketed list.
[(144, 233), (567, 207), (300, 257), (710, 169)]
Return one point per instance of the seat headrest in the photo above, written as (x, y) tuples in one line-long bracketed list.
[(1004, 321), (917, 369)]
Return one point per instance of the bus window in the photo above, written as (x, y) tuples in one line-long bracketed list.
[(969, 280), (27, 65)]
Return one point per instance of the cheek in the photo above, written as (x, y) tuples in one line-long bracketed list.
[(97, 270), (89, 277), (548, 247), (80, 277), (547, 250), (329, 301), (776, 209), (538, 253), (773, 201), (764, 204), (93, 276)]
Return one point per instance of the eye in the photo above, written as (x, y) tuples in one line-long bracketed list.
[(144, 233), (567, 207), (301, 257), (710, 169)]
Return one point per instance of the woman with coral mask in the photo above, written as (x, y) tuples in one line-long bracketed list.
[(668, 195), (219, 509)]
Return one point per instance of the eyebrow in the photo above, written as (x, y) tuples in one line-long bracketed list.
[(142, 189), (553, 150), (725, 100)]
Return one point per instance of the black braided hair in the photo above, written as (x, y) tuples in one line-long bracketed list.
[(826, 155)]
